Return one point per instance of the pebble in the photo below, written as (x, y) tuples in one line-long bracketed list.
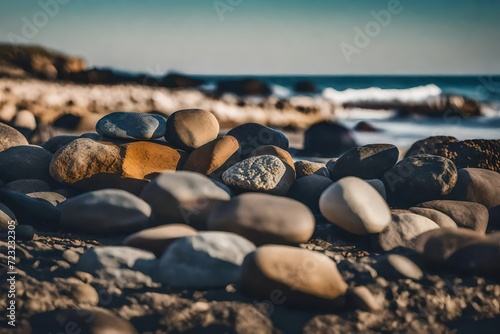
[(50, 197), (182, 197), (70, 256), (395, 266), (55, 143), (157, 239), (108, 211), (25, 232), (327, 139), (10, 137), (214, 158), (304, 168), (188, 129), (277, 220), (132, 125), (26, 186), (265, 173), (480, 257), (443, 220), (30, 211), (253, 135), (465, 214), (25, 162), (419, 178), (379, 187), (205, 260), (24, 119), (6, 216), (85, 294), (277, 152), (294, 277), (477, 185), (366, 162), (308, 190), (355, 206)]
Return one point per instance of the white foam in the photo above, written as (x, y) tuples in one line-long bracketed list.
[(375, 94)]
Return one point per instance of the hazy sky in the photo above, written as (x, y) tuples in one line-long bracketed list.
[(266, 36)]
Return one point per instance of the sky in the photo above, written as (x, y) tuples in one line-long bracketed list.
[(290, 37)]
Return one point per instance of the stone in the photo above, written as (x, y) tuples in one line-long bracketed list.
[(474, 153), (25, 162), (10, 137), (30, 211), (6, 218), (419, 178), (465, 214), (379, 186), (157, 239), (355, 206), (277, 152), (70, 256), (108, 211), (25, 232), (294, 276), (188, 129), (308, 190), (182, 197), (205, 260), (443, 220), (26, 186), (145, 160), (85, 294), (253, 135), (439, 245), (214, 158), (480, 257), (403, 228), (93, 320), (254, 216), (363, 126), (395, 266), (366, 162), (55, 143), (24, 119), (361, 298), (477, 185), (327, 139), (132, 125), (50, 197), (124, 267), (264, 173), (304, 168)]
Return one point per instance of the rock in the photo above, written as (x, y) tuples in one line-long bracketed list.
[(25, 186), (10, 137), (292, 226), (363, 126), (277, 152), (465, 214), (25, 232), (204, 260), (443, 220), (304, 87), (308, 190), (298, 277), (182, 197), (366, 162), (355, 206), (109, 211), (30, 211), (304, 168), (395, 266), (265, 173), (24, 119), (132, 125), (379, 186), (475, 153), (84, 158), (403, 228), (25, 162), (50, 197), (327, 140), (55, 143), (157, 239), (6, 218), (480, 257), (253, 135), (67, 122), (418, 179), (85, 294), (188, 129), (145, 160), (94, 320), (244, 87), (361, 298), (175, 80), (477, 185), (125, 267), (213, 158), (70, 256)]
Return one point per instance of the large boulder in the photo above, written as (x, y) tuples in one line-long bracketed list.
[(327, 139)]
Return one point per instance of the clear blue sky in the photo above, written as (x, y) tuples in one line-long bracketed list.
[(268, 36)]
